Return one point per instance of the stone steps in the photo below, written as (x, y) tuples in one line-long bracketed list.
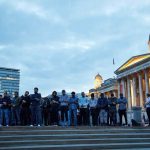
[(88, 138)]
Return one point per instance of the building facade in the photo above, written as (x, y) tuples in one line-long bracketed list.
[(109, 86), (9, 80), (134, 80)]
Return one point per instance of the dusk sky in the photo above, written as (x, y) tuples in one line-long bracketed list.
[(63, 44)]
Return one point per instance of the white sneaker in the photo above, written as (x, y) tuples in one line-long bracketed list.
[(7, 125), (39, 125), (31, 125)]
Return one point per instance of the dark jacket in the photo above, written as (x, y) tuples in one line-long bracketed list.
[(102, 103), (54, 103), (112, 104), (8, 102), (15, 102), (27, 101), (35, 99)]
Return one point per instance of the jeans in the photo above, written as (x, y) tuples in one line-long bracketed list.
[(103, 116), (73, 115), (94, 113), (35, 115), (121, 114), (83, 116), (15, 115), (6, 115), (1, 116), (64, 113), (148, 114), (25, 116)]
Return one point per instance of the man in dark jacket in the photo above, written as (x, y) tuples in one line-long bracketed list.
[(112, 110), (35, 108), (15, 109), (5, 108), (54, 108), (1, 111), (103, 107), (25, 113), (122, 101)]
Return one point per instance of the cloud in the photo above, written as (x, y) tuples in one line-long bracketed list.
[(64, 44), (35, 9)]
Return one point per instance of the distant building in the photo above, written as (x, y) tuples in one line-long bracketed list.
[(97, 84), (9, 80), (109, 86), (98, 81)]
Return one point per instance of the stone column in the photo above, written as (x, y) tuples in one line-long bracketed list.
[(134, 91), (118, 88), (146, 82), (123, 87), (129, 93), (132, 99), (140, 90)]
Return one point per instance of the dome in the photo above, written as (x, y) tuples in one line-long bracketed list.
[(98, 76)]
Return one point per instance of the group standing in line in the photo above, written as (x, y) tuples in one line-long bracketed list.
[(63, 110)]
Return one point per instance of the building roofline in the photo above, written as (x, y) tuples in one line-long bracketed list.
[(9, 68), (117, 71)]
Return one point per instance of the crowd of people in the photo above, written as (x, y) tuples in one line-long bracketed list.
[(63, 110)]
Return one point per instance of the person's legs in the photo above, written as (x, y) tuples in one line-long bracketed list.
[(22, 117), (56, 118), (6, 115), (92, 116), (102, 117), (148, 114), (33, 115), (105, 117), (1, 116), (62, 114), (75, 117), (66, 115), (70, 116), (96, 114), (18, 116), (84, 117), (120, 116), (125, 116), (115, 117), (38, 116)]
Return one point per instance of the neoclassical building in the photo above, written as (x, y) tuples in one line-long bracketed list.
[(134, 79)]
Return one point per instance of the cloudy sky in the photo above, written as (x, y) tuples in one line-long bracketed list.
[(63, 44)]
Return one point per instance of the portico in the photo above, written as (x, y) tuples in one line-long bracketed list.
[(133, 80)]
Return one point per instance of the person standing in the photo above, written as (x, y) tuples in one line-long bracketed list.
[(25, 113), (122, 101), (112, 110), (73, 106), (15, 109), (35, 108), (6, 103), (54, 108), (1, 111), (64, 107), (83, 107), (148, 107), (103, 109), (46, 111), (93, 110)]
